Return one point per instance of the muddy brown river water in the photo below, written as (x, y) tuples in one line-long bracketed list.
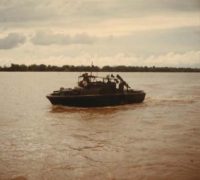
[(158, 139)]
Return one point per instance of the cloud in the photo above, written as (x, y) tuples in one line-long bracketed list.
[(127, 8), (178, 5), (43, 38), (121, 26), (12, 40), (170, 59), (186, 59), (33, 56), (88, 10), (157, 41), (12, 11), (98, 17), (135, 32)]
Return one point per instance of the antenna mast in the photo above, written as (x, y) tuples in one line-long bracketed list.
[(91, 67)]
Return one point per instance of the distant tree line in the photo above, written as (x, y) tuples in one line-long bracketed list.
[(71, 68)]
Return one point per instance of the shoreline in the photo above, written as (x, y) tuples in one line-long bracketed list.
[(81, 68)]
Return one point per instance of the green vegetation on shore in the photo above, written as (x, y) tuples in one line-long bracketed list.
[(71, 68)]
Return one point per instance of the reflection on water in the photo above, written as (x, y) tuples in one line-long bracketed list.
[(96, 111), (158, 139)]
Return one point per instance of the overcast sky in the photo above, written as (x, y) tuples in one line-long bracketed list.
[(107, 32)]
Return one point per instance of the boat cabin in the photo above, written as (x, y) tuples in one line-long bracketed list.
[(109, 83)]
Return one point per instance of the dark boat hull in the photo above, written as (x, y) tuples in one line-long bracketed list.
[(97, 100)]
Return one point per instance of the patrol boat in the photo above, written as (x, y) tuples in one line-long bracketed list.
[(94, 91)]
